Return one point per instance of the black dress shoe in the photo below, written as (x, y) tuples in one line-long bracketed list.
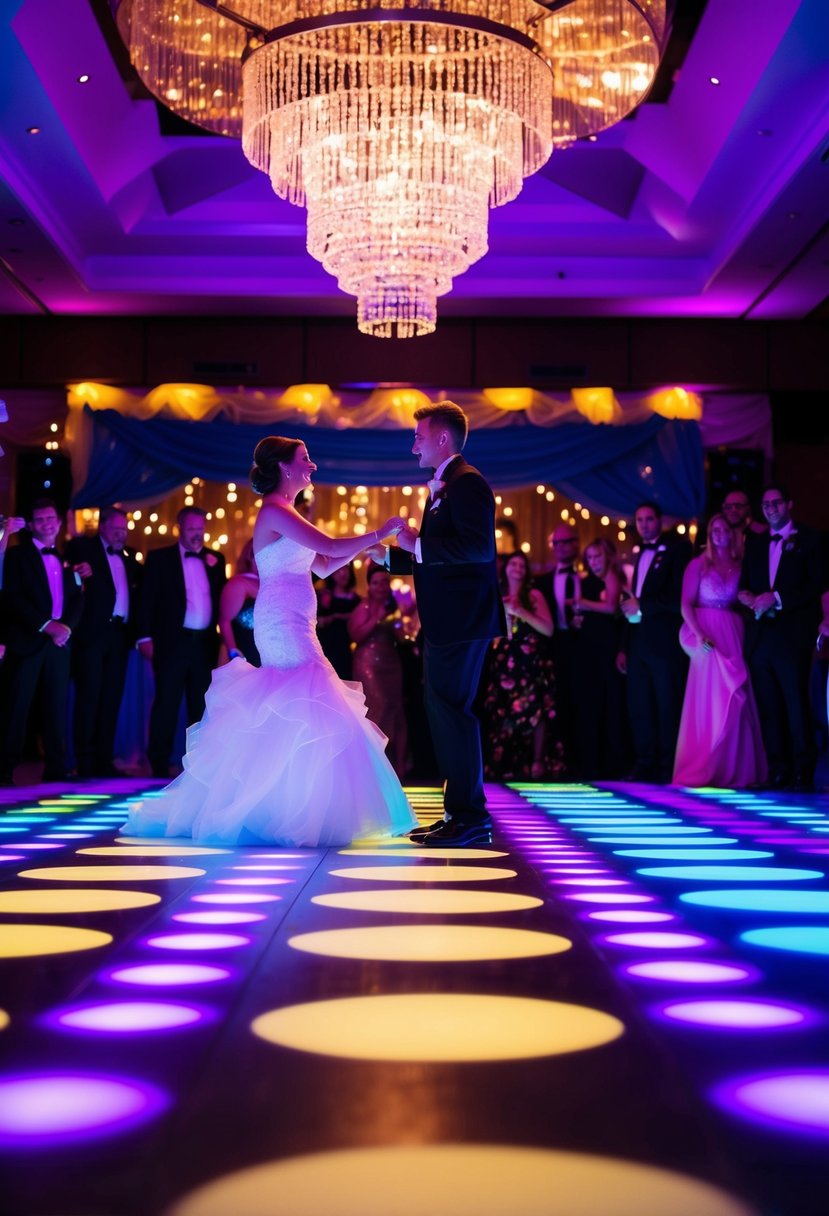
[(459, 834), (417, 835)]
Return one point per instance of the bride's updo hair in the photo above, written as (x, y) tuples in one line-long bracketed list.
[(268, 454)]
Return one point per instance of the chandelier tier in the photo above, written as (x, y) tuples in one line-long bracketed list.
[(399, 125)]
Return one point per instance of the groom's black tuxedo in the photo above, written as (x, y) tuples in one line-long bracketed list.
[(778, 648), (460, 607)]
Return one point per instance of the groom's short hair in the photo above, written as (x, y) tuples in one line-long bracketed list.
[(448, 415)]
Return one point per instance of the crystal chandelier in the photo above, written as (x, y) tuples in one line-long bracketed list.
[(399, 125)]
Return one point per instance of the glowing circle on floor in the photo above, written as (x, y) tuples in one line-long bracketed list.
[(435, 903), (440, 1026), (219, 918), (787, 1101), (262, 881), (697, 842), (657, 941), (28, 941), (427, 854), (112, 873), (149, 850), (730, 873), (129, 1017), (168, 975), (630, 916), (430, 943), (813, 903), (198, 941), (424, 873), (680, 972), (50, 1109), (609, 897), (235, 897), (74, 900), (467, 1179), (799, 939), (742, 1014), (4, 1019), (694, 854)]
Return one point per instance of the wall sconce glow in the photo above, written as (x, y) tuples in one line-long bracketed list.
[(676, 403), (678, 971), (597, 405), (794, 1101), (815, 903), (509, 399), (52, 1109), (306, 398), (796, 939), (129, 1017), (168, 975), (738, 1014)]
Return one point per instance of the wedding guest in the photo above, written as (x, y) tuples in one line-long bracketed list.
[(8, 526), (336, 600), (736, 508), (719, 742), (42, 607), (373, 626), (559, 587), (178, 612), (780, 587), (111, 576), (517, 698), (652, 657), (602, 718), (236, 608)]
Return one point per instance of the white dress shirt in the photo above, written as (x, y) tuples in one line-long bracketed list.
[(117, 569), (54, 573), (199, 610)]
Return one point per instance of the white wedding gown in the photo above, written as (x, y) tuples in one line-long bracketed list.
[(284, 753)]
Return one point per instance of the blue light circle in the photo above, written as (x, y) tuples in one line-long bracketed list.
[(797, 939), (730, 873), (693, 854), (814, 903)]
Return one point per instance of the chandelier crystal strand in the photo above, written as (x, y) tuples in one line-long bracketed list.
[(397, 135)]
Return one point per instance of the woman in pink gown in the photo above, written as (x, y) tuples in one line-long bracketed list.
[(719, 741)]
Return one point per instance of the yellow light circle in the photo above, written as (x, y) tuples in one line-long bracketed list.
[(437, 1026), (24, 941), (423, 873), (71, 900), (111, 873), (426, 854), (426, 902), (465, 1179), (430, 943), (151, 850), (4, 1019)]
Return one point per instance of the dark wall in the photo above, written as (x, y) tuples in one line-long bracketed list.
[(552, 353)]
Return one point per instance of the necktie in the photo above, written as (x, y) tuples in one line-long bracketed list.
[(51, 552), (569, 591), (776, 536), (190, 553), (116, 552)]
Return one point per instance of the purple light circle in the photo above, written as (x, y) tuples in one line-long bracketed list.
[(235, 897), (610, 897), (168, 975), (129, 1017), (592, 882), (50, 1109), (219, 918), (630, 916), (682, 971), (198, 941), (657, 940), (742, 1013), (264, 881), (786, 1101)]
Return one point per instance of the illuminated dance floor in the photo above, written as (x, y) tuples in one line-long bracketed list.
[(620, 1008)]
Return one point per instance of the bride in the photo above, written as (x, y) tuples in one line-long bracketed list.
[(284, 753)]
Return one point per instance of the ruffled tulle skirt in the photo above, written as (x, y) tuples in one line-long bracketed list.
[(281, 756)]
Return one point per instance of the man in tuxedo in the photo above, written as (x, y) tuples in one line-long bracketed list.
[(780, 586), (653, 660), (736, 509), (560, 586), (178, 612), (453, 562), (42, 605), (100, 647)]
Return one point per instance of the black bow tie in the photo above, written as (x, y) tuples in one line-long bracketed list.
[(649, 544), (776, 536), (52, 552), (116, 552), (190, 553), (566, 569)]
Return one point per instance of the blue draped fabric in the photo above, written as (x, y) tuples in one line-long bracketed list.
[(606, 468)]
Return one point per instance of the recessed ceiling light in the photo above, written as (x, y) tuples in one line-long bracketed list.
[(83, 79), (33, 130), (592, 138), (764, 131), (792, 215), (714, 79)]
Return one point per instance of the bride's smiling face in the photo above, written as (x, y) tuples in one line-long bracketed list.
[(297, 472)]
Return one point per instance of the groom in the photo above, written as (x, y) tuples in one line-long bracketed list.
[(452, 559)]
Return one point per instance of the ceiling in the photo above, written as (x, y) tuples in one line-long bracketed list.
[(711, 201)]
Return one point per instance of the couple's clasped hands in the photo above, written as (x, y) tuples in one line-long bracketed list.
[(397, 527)]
